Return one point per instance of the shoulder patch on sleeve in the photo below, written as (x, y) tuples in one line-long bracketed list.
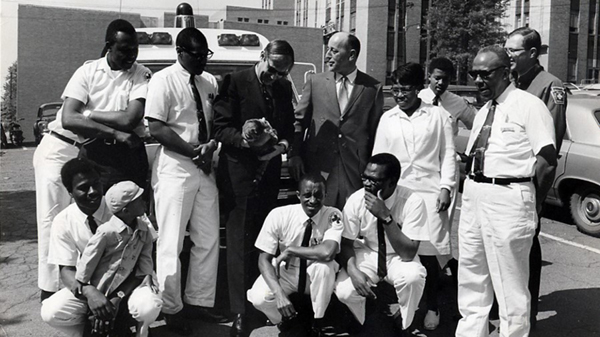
[(558, 95), (148, 75), (334, 217)]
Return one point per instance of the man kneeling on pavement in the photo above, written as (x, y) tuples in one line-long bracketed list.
[(383, 225), (308, 236), (101, 266)]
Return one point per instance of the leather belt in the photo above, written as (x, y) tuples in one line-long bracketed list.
[(65, 139), (498, 181)]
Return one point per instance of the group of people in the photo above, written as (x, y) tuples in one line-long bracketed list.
[(377, 190)]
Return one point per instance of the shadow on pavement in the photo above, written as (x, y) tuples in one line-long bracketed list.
[(567, 307)]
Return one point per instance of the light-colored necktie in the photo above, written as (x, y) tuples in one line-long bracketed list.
[(343, 94)]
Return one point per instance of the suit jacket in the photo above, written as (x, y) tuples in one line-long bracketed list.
[(241, 98), (337, 141)]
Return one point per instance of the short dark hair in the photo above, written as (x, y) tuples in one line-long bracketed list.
[(116, 26), (315, 177), (279, 47), (442, 64), (499, 51), (531, 38), (74, 167), (188, 36), (354, 43), (389, 162), (410, 73)]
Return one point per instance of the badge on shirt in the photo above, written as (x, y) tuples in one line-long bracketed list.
[(334, 217), (148, 76), (558, 95)]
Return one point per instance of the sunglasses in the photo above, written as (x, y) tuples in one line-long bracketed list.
[(484, 74), (198, 56), (273, 71)]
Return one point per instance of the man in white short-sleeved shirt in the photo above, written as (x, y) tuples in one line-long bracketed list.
[(500, 198), (382, 210), (184, 183), (308, 235), (112, 89)]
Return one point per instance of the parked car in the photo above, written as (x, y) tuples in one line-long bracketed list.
[(46, 114), (577, 181)]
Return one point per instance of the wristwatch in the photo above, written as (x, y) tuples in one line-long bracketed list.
[(120, 294), (388, 220)]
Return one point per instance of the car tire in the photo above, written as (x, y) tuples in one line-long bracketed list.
[(585, 209)]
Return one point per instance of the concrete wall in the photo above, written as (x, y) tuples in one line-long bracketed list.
[(557, 60), (371, 30), (52, 43)]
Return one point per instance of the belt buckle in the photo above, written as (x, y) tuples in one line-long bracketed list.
[(493, 181)]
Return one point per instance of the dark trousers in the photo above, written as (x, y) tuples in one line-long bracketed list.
[(246, 204), (118, 162), (535, 272)]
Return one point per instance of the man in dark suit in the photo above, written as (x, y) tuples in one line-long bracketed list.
[(248, 174), (341, 109)]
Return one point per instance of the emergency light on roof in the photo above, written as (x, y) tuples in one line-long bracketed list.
[(155, 38), (245, 40)]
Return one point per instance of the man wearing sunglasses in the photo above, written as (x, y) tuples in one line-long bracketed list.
[(262, 91), (511, 167), (340, 108), (180, 117), (524, 46)]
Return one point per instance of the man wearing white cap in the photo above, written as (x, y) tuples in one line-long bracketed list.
[(116, 262)]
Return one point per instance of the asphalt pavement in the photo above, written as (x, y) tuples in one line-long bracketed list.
[(570, 293)]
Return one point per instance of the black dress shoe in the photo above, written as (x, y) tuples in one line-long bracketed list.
[(178, 324), (239, 328)]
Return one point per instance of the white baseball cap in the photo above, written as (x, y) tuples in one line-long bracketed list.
[(121, 194)]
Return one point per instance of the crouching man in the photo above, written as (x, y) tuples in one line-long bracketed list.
[(383, 224), (72, 229), (308, 236)]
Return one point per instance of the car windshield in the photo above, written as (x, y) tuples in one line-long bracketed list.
[(50, 111)]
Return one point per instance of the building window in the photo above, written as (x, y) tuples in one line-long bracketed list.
[(285, 23), (246, 20), (259, 20), (240, 19), (266, 21), (574, 22), (572, 71)]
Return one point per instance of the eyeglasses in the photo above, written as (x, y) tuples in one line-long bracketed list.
[(273, 71), (512, 51), (404, 90), (198, 56), (484, 74), (371, 180)]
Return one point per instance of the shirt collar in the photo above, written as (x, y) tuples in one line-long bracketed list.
[(106, 66), (351, 77), (389, 202), (99, 215), (120, 226), (505, 94), (181, 69), (524, 80), (420, 111), (316, 218)]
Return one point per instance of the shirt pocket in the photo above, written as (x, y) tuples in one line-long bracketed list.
[(512, 133)]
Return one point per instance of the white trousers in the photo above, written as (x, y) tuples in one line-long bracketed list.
[(408, 279), (320, 281), (68, 314), (51, 197), (497, 225), (182, 194)]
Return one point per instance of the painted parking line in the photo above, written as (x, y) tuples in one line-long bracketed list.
[(570, 243)]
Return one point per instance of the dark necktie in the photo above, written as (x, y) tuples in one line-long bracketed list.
[(436, 100), (92, 223), (381, 251), (268, 101), (305, 242), (202, 131), (481, 143)]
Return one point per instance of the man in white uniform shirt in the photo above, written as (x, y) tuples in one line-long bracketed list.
[(104, 98), (179, 113), (513, 160), (308, 235), (383, 224)]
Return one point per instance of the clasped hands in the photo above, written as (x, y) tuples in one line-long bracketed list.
[(203, 154)]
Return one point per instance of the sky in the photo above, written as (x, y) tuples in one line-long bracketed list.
[(154, 8)]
